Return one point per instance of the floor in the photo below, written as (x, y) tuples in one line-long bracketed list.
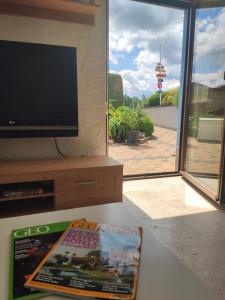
[(183, 220), (156, 155)]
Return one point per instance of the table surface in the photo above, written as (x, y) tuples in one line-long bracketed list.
[(162, 276)]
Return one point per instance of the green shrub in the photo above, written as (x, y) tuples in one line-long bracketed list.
[(118, 129), (167, 98), (115, 103), (146, 125), (132, 102), (123, 119), (175, 99), (154, 100), (171, 97), (193, 125)]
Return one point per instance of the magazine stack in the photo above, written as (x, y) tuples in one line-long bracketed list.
[(80, 259)]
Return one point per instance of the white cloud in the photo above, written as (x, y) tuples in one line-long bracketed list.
[(139, 26), (209, 58), (212, 80), (143, 27)]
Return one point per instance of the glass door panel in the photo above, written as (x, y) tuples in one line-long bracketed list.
[(207, 99), (145, 81)]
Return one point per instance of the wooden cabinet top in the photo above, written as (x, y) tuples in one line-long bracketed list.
[(61, 10), (12, 167)]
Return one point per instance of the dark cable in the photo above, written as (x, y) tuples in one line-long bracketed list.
[(58, 149)]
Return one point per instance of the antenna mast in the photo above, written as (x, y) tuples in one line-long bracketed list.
[(160, 74)]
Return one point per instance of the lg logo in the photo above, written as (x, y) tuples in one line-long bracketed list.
[(12, 122)]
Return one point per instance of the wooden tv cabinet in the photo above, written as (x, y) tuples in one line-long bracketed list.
[(72, 182)]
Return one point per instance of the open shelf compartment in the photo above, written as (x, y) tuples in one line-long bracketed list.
[(26, 190)]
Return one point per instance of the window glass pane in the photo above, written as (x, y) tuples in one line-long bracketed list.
[(207, 98), (145, 58)]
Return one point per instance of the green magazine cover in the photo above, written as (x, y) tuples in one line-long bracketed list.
[(28, 247)]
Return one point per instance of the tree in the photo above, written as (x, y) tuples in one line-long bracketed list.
[(171, 97), (154, 100), (175, 99), (143, 98), (131, 102)]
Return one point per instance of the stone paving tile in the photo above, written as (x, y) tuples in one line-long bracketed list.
[(159, 155), (155, 156)]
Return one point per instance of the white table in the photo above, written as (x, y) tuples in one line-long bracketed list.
[(162, 276)]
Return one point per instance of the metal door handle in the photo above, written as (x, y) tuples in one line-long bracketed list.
[(87, 182)]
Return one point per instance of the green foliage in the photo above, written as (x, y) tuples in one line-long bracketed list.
[(117, 129), (111, 110), (167, 99), (115, 89), (193, 125), (123, 119), (143, 97), (131, 102), (153, 100), (171, 97), (146, 125), (175, 99), (115, 103)]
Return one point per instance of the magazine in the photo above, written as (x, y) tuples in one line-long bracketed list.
[(91, 260), (28, 248)]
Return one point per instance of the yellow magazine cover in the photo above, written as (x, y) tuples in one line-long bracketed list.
[(92, 260)]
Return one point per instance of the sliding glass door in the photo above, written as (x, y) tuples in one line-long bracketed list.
[(206, 100)]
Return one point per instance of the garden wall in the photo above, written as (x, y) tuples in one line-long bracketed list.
[(90, 42), (163, 116)]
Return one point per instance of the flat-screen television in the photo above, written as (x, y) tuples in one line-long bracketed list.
[(38, 90)]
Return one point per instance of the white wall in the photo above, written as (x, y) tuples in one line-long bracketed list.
[(91, 52), (164, 116)]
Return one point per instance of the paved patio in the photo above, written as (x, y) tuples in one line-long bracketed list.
[(155, 156)]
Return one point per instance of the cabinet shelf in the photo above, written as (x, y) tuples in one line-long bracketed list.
[(26, 190), (62, 10), (26, 197), (26, 206), (58, 184)]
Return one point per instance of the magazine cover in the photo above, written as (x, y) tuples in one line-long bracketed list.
[(28, 248), (92, 260)]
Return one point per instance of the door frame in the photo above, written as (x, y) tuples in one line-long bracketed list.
[(220, 196), (184, 5), (189, 8)]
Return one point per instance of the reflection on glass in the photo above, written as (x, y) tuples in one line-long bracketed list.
[(207, 98)]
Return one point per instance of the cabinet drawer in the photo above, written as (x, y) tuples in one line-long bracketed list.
[(85, 188)]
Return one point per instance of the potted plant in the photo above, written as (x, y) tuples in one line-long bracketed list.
[(132, 137), (126, 124)]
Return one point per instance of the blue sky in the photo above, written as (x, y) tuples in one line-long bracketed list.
[(125, 61), (209, 54), (136, 31)]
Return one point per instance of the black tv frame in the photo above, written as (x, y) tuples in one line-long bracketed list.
[(40, 133), (35, 131)]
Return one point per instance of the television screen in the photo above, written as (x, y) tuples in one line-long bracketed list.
[(38, 90)]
